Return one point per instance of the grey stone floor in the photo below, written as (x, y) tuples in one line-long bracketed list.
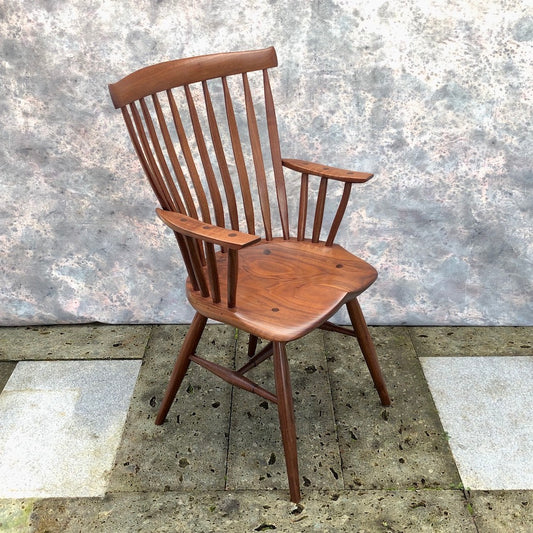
[(217, 463)]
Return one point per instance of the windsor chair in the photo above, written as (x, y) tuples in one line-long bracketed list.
[(245, 267)]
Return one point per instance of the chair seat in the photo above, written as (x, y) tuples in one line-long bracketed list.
[(287, 288)]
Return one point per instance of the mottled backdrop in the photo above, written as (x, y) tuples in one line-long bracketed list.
[(434, 96)]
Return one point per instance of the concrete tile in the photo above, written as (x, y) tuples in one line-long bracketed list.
[(256, 458), (402, 446), (60, 425), (503, 511), (6, 368), (15, 515), (189, 450), (343, 511), (485, 405), (92, 341), (472, 341)]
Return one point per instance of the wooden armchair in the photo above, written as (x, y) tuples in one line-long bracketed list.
[(277, 288)]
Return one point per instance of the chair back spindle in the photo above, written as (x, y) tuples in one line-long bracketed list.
[(196, 126), (273, 137), (239, 159), (257, 155), (318, 220)]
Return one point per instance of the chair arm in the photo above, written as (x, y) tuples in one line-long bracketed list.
[(315, 169), (232, 239)]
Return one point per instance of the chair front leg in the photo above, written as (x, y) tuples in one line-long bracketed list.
[(367, 347), (286, 418), (182, 364)]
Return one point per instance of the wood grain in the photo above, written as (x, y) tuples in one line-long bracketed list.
[(208, 232), (324, 171), (257, 155), (160, 77), (287, 288)]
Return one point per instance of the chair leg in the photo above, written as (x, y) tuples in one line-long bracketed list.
[(182, 364), (368, 349), (286, 418), (252, 345)]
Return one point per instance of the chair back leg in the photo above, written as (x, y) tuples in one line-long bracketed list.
[(182, 364), (286, 418), (252, 345), (367, 347)]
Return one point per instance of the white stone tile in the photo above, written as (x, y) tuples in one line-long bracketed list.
[(485, 405), (60, 426)]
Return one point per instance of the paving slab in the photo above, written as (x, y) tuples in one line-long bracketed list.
[(15, 515), (146, 492), (502, 511), (249, 511), (256, 458), (60, 425), (91, 341), (189, 450), (485, 405), (397, 447), (472, 341), (6, 369)]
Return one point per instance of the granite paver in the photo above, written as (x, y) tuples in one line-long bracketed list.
[(6, 368), (424, 511), (398, 447), (188, 451), (87, 341), (472, 341), (485, 406)]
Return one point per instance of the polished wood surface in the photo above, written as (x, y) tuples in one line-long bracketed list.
[(286, 418), (182, 364), (200, 127), (193, 227), (157, 78), (257, 155), (287, 288), (324, 171), (368, 349), (275, 151), (238, 157), (235, 378)]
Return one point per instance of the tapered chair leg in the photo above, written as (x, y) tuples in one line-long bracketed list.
[(286, 418), (182, 364), (252, 345), (367, 347)]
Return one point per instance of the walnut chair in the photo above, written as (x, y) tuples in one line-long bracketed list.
[(188, 120)]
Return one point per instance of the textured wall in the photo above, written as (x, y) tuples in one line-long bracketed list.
[(434, 96)]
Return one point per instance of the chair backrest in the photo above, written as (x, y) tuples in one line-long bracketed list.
[(191, 114)]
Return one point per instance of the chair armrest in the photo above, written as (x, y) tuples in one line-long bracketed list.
[(315, 169), (232, 239)]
